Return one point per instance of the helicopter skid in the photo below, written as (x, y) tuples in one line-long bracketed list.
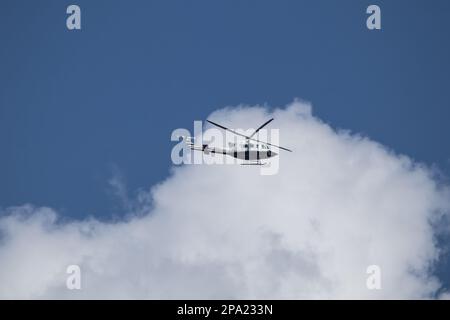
[(252, 164)]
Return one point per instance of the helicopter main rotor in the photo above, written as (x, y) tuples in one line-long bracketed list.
[(249, 138)]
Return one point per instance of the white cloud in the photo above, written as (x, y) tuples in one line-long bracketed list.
[(339, 203)]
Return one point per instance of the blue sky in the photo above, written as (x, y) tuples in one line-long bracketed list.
[(77, 105)]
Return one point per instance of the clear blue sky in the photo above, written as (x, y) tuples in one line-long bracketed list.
[(75, 104)]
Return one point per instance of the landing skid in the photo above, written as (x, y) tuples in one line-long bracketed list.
[(256, 163)]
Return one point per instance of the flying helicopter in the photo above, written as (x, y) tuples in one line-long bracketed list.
[(251, 150)]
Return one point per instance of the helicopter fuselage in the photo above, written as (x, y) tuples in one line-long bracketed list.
[(251, 154)]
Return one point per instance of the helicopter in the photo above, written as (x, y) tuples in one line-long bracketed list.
[(251, 150)]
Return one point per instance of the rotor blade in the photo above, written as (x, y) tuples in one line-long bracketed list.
[(225, 128), (262, 126), (269, 144), (239, 134)]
